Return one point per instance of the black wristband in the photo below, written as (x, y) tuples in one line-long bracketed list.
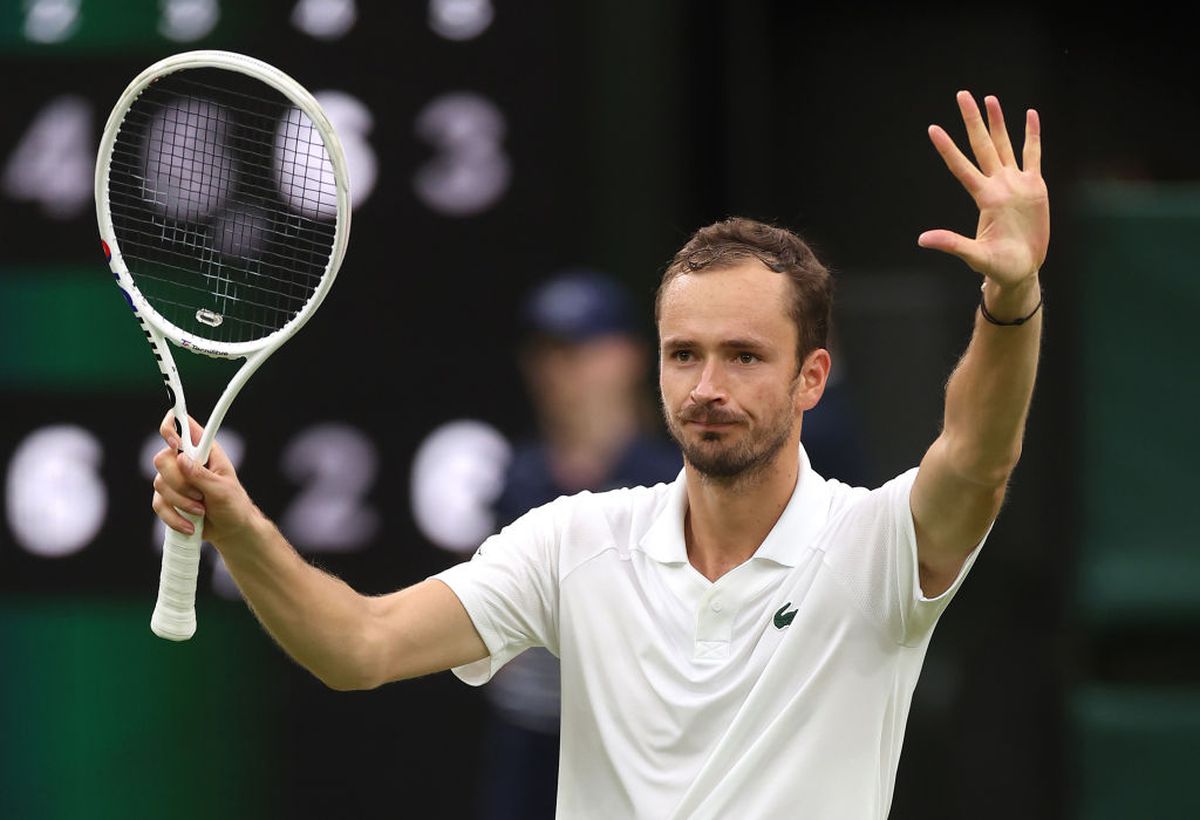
[(1014, 322)]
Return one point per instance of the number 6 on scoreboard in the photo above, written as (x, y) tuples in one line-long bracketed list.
[(223, 202)]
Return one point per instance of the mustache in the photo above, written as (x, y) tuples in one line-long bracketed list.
[(708, 415)]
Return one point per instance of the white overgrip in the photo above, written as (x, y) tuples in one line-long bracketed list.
[(174, 615)]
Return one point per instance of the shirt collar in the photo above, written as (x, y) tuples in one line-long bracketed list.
[(664, 540), (802, 518)]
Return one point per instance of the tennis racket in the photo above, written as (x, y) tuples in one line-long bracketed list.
[(223, 201)]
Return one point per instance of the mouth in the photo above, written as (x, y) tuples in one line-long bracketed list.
[(709, 422), (711, 425)]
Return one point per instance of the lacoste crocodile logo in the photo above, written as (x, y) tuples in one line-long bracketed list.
[(783, 617)]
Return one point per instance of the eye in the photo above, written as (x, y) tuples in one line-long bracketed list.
[(681, 355), (747, 358)]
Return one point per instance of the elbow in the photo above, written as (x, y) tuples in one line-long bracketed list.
[(335, 681), (347, 675), (992, 474), (342, 683), (348, 679), (357, 665), (986, 467)]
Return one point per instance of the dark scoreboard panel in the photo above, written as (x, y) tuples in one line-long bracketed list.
[(376, 435)]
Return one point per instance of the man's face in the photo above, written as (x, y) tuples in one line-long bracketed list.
[(732, 396)]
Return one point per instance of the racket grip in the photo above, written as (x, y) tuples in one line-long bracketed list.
[(174, 615)]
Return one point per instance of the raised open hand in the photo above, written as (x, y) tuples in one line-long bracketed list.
[(1014, 208)]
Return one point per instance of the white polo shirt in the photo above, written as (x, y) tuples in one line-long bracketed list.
[(779, 690)]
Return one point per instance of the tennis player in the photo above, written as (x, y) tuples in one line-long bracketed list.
[(743, 642)]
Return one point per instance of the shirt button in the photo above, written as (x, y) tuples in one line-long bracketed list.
[(717, 606)]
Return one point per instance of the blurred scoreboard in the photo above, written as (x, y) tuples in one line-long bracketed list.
[(378, 435)]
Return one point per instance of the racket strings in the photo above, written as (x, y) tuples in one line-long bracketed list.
[(252, 185), (191, 242), (223, 203), (149, 110), (184, 242), (219, 293)]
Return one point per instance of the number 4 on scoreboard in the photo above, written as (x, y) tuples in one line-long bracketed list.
[(52, 164)]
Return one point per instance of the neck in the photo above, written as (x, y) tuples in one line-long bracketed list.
[(727, 521)]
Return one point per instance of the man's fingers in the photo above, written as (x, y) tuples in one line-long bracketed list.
[(999, 132), (198, 475), (962, 168), (166, 462), (181, 484), (977, 133), (218, 461), (169, 430), (175, 498), (941, 240), (1033, 143), (954, 244), (196, 430), (170, 516)]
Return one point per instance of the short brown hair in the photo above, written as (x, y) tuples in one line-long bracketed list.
[(731, 240)]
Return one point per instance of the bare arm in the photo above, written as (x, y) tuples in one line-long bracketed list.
[(963, 476), (348, 640)]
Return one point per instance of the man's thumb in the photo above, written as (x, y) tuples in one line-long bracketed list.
[(198, 474)]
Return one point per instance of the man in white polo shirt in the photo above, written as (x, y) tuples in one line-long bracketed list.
[(743, 642)]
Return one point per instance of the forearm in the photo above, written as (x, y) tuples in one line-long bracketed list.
[(988, 396), (318, 619)]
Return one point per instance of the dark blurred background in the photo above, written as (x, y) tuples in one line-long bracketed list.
[(491, 144)]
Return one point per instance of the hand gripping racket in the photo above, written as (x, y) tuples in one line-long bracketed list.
[(223, 202)]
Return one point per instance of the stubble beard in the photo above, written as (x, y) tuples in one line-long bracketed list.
[(730, 464)]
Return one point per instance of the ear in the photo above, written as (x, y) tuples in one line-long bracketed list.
[(810, 383)]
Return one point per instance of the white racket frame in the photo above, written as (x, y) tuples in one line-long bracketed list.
[(174, 615)]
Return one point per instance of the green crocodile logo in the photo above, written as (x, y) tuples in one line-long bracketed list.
[(783, 617)]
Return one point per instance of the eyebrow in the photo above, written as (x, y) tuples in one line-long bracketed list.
[(744, 343), (754, 344)]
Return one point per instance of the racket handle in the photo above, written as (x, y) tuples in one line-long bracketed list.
[(174, 615)]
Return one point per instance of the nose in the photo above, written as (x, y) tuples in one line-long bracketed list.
[(709, 389)]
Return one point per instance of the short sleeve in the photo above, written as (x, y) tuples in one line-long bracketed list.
[(510, 590), (872, 548)]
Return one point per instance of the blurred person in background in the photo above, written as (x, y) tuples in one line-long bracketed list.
[(585, 365)]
